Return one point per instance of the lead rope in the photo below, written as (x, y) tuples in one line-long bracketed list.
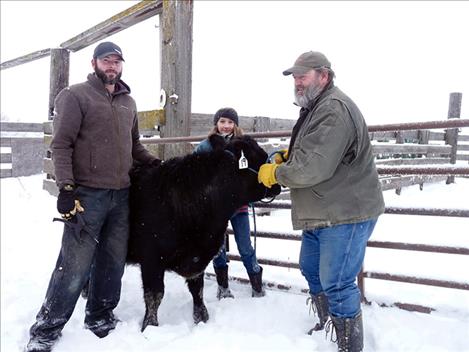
[(255, 227), (252, 205)]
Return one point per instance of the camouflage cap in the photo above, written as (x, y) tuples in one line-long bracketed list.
[(308, 61)]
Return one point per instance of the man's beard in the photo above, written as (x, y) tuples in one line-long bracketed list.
[(309, 93), (106, 80)]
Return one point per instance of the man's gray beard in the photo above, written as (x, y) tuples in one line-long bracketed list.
[(310, 93), (102, 75)]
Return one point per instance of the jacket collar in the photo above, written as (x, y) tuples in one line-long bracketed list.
[(326, 91)]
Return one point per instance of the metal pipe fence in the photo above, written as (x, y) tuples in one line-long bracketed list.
[(375, 244), (451, 123)]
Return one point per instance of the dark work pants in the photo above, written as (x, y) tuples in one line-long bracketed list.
[(98, 254)]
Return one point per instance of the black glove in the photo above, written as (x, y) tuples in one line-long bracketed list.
[(66, 202)]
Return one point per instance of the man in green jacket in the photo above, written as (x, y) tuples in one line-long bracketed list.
[(96, 140), (335, 193)]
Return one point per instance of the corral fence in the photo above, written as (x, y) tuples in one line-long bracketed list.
[(411, 159), (25, 145), (376, 244), (392, 155), (28, 150), (425, 162), (396, 166), (415, 156)]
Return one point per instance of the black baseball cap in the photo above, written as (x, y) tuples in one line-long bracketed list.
[(107, 48)]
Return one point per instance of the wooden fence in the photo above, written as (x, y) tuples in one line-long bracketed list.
[(22, 149), (415, 147)]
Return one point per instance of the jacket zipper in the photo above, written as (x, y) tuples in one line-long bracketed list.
[(119, 146)]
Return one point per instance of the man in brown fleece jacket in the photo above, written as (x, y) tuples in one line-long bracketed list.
[(96, 140)]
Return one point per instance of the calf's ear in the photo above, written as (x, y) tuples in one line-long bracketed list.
[(217, 142)]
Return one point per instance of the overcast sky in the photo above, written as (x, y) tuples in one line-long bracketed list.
[(398, 60)]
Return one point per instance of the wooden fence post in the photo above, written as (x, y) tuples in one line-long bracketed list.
[(451, 135), (176, 72), (59, 75), (59, 78), (261, 124)]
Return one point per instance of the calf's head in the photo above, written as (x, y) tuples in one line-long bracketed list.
[(246, 147)]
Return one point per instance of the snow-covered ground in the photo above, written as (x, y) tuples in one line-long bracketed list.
[(277, 322)]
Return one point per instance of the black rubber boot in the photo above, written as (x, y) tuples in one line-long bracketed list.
[(85, 290), (349, 333), (222, 280), (320, 306), (103, 327), (40, 344), (256, 283)]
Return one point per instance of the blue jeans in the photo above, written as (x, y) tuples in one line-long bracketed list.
[(242, 232), (330, 260), (97, 254)]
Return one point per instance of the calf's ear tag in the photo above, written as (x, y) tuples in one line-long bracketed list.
[(243, 162)]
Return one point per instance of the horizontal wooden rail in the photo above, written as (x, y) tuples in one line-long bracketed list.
[(36, 55), (5, 158), (413, 161), (21, 127), (461, 213), (397, 182), (422, 170), (123, 20), (409, 148)]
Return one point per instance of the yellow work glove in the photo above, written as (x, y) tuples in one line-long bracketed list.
[(281, 156), (267, 175)]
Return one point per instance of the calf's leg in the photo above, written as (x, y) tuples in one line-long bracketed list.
[(153, 292), (196, 288)]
